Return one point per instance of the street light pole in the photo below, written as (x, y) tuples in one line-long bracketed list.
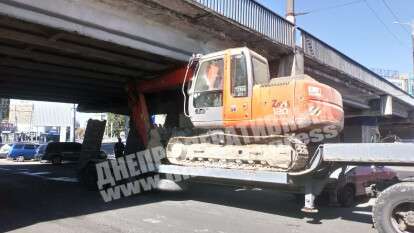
[(74, 123), (290, 11), (412, 38)]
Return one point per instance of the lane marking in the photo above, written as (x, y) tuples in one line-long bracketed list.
[(64, 179), (362, 213), (39, 173)]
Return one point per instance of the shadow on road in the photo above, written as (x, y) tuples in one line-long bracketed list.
[(27, 200)]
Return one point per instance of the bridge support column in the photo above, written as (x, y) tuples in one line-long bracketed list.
[(361, 129), (292, 64)]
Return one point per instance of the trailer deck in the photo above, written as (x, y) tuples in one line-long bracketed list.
[(223, 173), (311, 181)]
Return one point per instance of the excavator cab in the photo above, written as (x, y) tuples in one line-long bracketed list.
[(233, 88), (221, 90)]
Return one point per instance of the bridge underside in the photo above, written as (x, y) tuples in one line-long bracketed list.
[(43, 63), (87, 51)]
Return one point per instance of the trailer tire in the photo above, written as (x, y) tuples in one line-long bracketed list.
[(386, 204), (346, 196)]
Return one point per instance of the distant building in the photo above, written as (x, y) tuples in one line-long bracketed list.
[(403, 81), (4, 109), (37, 118), (21, 115)]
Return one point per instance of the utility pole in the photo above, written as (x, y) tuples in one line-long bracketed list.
[(290, 11), (74, 123), (411, 77), (297, 64), (412, 40)]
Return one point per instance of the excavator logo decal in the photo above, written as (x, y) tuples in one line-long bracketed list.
[(280, 107)]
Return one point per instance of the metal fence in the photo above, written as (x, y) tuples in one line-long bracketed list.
[(260, 19), (254, 16), (327, 55)]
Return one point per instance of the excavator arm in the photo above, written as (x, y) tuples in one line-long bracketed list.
[(138, 103)]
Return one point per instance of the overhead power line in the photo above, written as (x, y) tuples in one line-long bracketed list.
[(383, 23), (396, 18), (333, 7)]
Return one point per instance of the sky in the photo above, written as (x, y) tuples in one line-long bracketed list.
[(356, 31)]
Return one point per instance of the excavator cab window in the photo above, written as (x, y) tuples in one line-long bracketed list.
[(260, 71), (239, 84), (208, 91)]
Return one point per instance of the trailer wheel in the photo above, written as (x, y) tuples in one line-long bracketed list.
[(346, 196), (394, 209)]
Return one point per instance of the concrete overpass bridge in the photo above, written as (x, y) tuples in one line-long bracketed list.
[(86, 51)]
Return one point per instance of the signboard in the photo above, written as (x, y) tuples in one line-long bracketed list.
[(7, 127)]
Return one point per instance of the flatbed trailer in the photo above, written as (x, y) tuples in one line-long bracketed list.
[(393, 210)]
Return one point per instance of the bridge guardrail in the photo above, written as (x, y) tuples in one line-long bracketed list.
[(260, 19), (327, 55), (255, 16)]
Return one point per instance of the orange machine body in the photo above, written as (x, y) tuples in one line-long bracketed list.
[(297, 103), (292, 104)]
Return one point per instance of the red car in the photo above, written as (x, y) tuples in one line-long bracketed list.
[(358, 181)]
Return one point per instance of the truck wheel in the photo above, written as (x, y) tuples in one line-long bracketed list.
[(346, 196), (56, 160), (394, 209)]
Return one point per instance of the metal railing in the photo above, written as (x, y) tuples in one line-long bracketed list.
[(254, 16), (327, 55), (259, 19)]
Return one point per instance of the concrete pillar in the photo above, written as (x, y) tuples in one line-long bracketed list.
[(361, 129), (62, 130), (72, 133), (298, 66), (285, 66), (292, 64)]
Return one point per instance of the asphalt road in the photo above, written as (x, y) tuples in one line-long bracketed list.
[(44, 198)]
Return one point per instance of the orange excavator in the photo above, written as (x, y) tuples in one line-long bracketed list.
[(241, 117)]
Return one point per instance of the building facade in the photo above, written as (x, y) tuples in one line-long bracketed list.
[(4, 109), (403, 81)]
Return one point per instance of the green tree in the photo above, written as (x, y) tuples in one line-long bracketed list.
[(115, 124)]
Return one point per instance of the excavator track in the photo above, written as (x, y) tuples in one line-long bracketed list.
[(220, 150)]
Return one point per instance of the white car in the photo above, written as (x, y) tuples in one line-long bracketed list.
[(4, 150)]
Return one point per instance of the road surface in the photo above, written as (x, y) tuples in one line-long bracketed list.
[(45, 198)]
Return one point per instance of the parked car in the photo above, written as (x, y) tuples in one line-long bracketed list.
[(22, 151), (108, 149), (56, 152), (4, 150), (359, 181), (40, 151)]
